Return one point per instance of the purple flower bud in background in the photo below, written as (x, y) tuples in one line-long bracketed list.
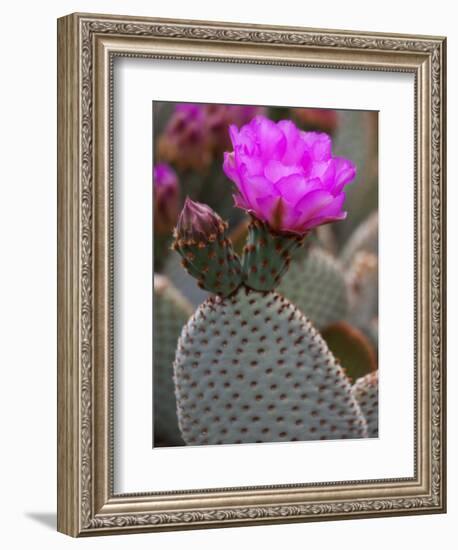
[(323, 120), (166, 198), (197, 132), (198, 223), (220, 117), (286, 177), (185, 141)]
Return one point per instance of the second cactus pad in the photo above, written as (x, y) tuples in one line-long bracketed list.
[(316, 283), (251, 368)]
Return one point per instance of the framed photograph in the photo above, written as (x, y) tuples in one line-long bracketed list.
[(251, 286)]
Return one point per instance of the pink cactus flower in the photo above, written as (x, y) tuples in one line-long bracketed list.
[(286, 177)]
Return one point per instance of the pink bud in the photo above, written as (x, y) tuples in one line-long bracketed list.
[(198, 222)]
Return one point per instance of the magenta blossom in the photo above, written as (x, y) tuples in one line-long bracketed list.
[(286, 177)]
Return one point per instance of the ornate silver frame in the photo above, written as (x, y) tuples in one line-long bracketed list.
[(87, 44)]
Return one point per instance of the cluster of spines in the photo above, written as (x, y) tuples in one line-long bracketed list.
[(266, 256)]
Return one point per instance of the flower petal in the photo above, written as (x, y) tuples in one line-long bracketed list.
[(230, 168), (276, 170), (345, 173), (293, 188), (271, 140), (239, 202), (272, 209), (252, 187), (254, 165), (319, 144), (332, 212), (295, 146), (311, 205)]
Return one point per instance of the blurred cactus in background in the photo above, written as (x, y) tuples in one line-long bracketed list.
[(318, 120), (357, 138), (196, 132), (192, 138), (166, 206), (170, 313), (186, 142), (166, 198), (266, 311), (362, 277), (364, 238)]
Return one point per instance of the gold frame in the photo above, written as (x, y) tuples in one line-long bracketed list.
[(87, 44)]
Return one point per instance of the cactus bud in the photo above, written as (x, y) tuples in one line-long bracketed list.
[(200, 238), (199, 223)]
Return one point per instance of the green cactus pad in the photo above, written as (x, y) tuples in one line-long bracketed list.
[(267, 256), (315, 283), (251, 368), (351, 348), (170, 313), (365, 391)]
